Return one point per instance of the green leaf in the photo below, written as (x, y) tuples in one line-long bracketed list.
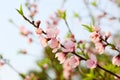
[(68, 35), (20, 10), (62, 14), (43, 61), (76, 15), (1, 57), (22, 75), (89, 28), (94, 3)]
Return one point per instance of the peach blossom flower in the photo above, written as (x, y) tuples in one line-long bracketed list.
[(92, 62), (108, 34), (27, 78), (54, 43), (69, 46), (100, 47), (43, 41), (30, 40), (54, 20), (95, 37), (52, 32), (116, 60), (74, 61), (61, 57), (1, 63), (66, 74), (67, 69), (97, 29), (39, 31), (24, 31)]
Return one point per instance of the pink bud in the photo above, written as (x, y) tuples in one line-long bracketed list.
[(38, 31), (108, 34), (116, 60), (38, 23), (92, 62)]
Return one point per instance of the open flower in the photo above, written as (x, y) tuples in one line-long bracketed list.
[(52, 32), (74, 61), (100, 47), (55, 44), (61, 57), (43, 41), (116, 60), (24, 31), (95, 37), (92, 62), (67, 69), (2, 63), (69, 46)]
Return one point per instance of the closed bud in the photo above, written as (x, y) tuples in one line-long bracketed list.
[(107, 34), (38, 23)]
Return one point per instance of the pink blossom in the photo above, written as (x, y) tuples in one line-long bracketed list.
[(45, 66), (69, 46), (23, 51), (61, 57), (24, 31), (108, 34), (27, 78), (54, 43), (66, 65), (39, 31), (55, 20), (116, 60), (92, 62), (97, 29), (67, 69), (52, 32), (30, 40), (1, 63), (74, 61), (95, 37), (66, 74), (100, 47), (43, 41)]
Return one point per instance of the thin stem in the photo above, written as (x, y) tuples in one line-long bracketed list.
[(12, 67), (31, 22), (102, 10), (111, 45), (63, 3), (68, 26), (89, 11), (108, 71), (82, 58)]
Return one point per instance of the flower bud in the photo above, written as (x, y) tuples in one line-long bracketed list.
[(38, 23)]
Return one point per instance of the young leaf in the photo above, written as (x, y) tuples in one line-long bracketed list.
[(62, 14), (94, 3), (89, 28), (76, 15), (20, 11), (22, 75)]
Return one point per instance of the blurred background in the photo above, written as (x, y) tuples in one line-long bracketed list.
[(104, 13)]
